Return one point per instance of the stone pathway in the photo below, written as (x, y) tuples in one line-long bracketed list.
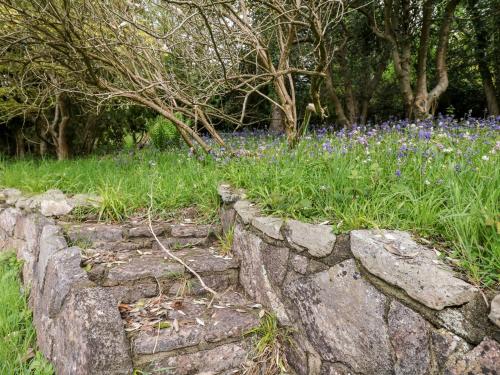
[(173, 325)]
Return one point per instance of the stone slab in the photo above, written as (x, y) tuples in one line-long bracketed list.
[(270, 226), (318, 240), (397, 259)]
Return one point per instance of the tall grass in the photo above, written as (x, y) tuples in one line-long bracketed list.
[(17, 335)]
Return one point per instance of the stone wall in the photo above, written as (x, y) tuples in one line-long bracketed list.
[(73, 317), (370, 302)]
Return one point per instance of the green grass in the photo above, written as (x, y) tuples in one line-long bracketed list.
[(17, 335), (452, 198)]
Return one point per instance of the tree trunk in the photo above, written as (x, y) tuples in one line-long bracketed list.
[(20, 151), (481, 55), (339, 110), (277, 125), (62, 147)]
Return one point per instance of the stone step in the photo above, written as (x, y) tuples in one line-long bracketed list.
[(135, 266), (138, 273), (190, 335)]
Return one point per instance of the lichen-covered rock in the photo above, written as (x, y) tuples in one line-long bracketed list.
[(95, 232), (55, 208), (343, 316), (191, 230), (483, 359), (446, 346), (228, 194), (409, 334), (270, 226), (317, 239), (495, 310), (10, 196), (299, 263), (396, 258), (89, 337)]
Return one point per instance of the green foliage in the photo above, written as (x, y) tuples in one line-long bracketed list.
[(352, 191), (17, 334), (270, 340), (163, 132)]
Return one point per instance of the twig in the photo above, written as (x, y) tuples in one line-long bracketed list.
[(171, 255)]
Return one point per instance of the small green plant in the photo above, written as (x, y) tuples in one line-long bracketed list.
[(17, 334), (163, 133), (269, 357), (113, 205), (226, 242)]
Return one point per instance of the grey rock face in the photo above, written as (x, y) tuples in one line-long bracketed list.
[(396, 258), (89, 336), (51, 241), (409, 334), (343, 316), (317, 239), (270, 226), (228, 219), (246, 210), (253, 274), (495, 310), (483, 359), (63, 275), (299, 263)]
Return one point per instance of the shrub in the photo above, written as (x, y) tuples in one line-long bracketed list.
[(163, 133)]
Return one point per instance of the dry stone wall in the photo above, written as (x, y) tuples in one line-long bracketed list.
[(371, 302), (73, 317)]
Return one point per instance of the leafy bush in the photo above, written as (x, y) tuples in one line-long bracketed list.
[(163, 133)]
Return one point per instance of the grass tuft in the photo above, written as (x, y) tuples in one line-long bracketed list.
[(17, 334)]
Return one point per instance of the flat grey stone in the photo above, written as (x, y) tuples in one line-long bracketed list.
[(167, 340), (495, 310), (271, 226), (246, 210), (228, 219), (409, 334), (89, 337), (483, 359), (343, 316), (417, 270), (95, 232), (317, 239), (55, 208), (144, 231), (223, 359), (141, 268), (191, 230)]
